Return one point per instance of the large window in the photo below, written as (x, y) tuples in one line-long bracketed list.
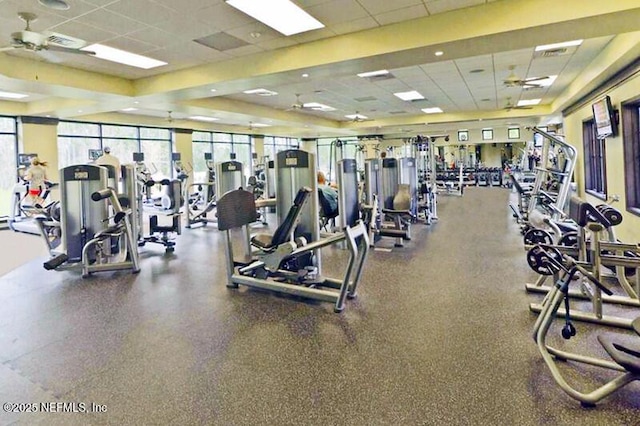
[(631, 142), (327, 154), (75, 139), (8, 162), (273, 145), (221, 146), (595, 172)]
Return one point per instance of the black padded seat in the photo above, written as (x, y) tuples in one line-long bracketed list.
[(624, 353), (269, 242), (582, 213)]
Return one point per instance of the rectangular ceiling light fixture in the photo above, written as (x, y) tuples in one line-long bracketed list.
[(434, 110), (260, 125), (123, 57), (129, 109), (409, 96), (281, 15), (356, 117), (12, 95), (260, 92), (316, 106), (373, 73), (558, 45), (203, 118), (529, 102)]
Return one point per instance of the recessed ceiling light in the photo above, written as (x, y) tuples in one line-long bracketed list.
[(260, 92), (261, 125), (12, 95), (255, 34), (136, 102), (55, 4), (123, 57), (213, 90), (373, 73), (203, 118), (412, 95), (558, 45), (439, 53), (305, 75), (434, 110), (128, 109), (529, 102), (281, 15), (79, 110)]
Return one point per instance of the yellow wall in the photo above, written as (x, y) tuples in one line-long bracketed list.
[(42, 139), (629, 229)]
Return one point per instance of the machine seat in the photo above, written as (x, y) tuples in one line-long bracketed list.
[(283, 233), (625, 354)]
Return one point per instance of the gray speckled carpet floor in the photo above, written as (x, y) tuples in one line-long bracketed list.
[(440, 334)]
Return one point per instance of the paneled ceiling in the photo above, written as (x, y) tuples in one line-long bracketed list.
[(483, 42)]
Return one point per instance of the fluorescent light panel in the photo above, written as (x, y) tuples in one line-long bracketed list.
[(260, 125), (558, 45), (260, 92), (281, 15), (434, 110), (123, 57), (12, 95), (318, 107), (412, 95), (128, 109), (373, 73), (356, 117), (529, 102), (203, 118)]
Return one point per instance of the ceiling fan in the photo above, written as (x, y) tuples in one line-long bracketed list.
[(528, 83), (510, 105), (44, 41), (298, 105)]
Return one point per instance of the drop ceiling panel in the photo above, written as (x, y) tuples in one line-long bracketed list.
[(87, 33), (376, 7), (143, 11), (154, 36), (188, 7), (9, 10), (223, 17), (440, 6), (400, 15), (131, 45), (109, 21), (353, 26), (337, 11)]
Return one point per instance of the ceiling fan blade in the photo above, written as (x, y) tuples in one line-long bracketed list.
[(9, 48), (69, 50)]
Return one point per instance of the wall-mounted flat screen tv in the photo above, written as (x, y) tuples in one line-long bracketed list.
[(605, 118)]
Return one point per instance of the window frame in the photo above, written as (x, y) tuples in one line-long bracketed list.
[(595, 161), (631, 153)]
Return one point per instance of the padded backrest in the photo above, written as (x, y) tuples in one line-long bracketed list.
[(325, 205), (284, 231), (235, 209), (402, 199), (582, 213)]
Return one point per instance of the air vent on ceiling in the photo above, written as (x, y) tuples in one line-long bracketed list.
[(552, 53), (365, 99), (397, 112), (221, 41)]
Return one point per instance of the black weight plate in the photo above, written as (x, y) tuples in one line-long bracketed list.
[(538, 259), (537, 236), (569, 239)]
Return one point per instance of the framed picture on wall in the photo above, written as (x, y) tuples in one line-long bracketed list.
[(487, 134), (463, 135), (513, 133)]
